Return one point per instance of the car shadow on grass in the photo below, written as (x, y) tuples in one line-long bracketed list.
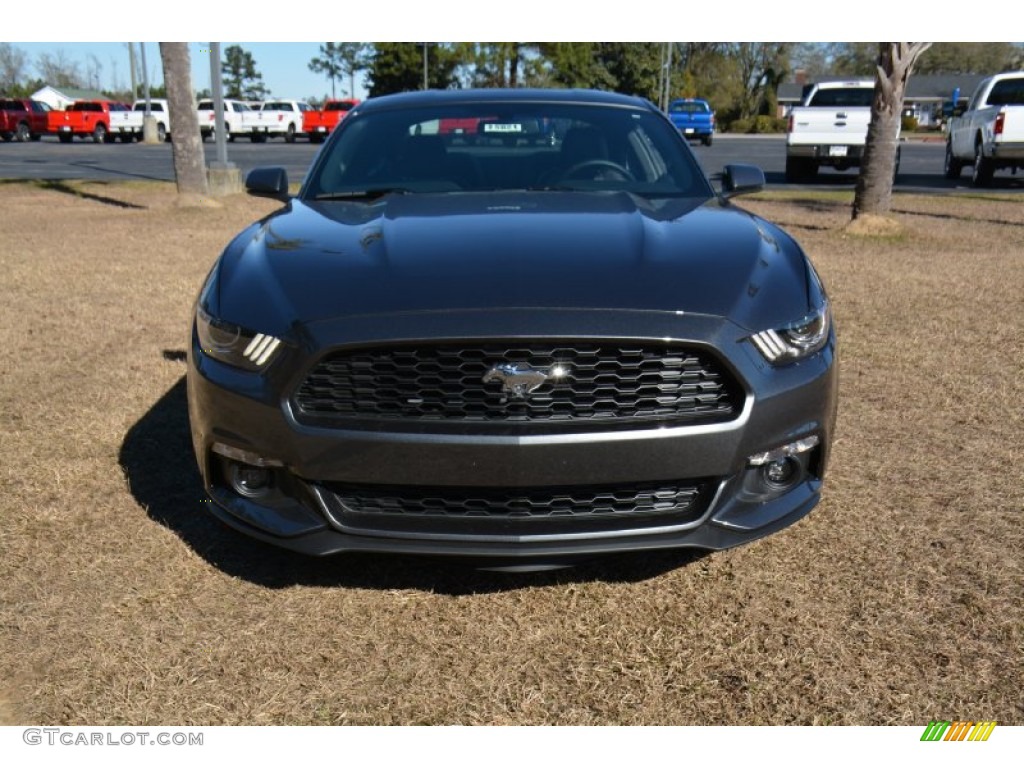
[(157, 459)]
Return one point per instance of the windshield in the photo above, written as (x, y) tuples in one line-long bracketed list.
[(487, 146)]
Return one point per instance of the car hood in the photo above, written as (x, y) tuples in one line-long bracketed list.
[(466, 251)]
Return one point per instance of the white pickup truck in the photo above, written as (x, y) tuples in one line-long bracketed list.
[(280, 118), (132, 127), (830, 128), (239, 120), (990, 134)]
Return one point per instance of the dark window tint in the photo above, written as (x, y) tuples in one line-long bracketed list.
[(1007, 92), (486, 146), (690, 107), (843, 97)]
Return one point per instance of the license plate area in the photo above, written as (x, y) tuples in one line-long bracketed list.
[(837, 151)]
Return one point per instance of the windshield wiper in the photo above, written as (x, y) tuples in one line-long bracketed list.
[(362, 194)]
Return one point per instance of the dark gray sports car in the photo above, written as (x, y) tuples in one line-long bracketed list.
[(518, 326)]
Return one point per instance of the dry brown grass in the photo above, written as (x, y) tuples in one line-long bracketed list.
[(121, 601)]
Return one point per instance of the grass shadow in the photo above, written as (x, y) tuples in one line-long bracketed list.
[(56, 185), (156, 457)]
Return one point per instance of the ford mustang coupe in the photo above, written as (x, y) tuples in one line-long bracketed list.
[(514, 326)]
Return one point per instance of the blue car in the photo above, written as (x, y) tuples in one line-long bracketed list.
[(694, 118)]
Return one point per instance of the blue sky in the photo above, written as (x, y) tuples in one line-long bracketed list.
[(284, 65)]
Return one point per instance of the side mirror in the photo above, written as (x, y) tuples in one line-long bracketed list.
[(741, 179), (267, 182)]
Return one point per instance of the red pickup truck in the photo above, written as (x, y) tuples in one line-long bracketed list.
[(22, 119), (99, 120), (318, 123)]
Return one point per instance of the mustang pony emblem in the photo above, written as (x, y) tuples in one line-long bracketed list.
[(519, 379)]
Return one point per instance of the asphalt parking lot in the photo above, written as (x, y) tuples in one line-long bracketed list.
[(920, 171)]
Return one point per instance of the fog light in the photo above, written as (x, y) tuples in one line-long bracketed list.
[(251, 482), (771, 474), (781, 473)]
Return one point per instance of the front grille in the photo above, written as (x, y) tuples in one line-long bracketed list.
[(517, 511), (598, 382)]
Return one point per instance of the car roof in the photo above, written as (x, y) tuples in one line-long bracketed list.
[(471, 95)]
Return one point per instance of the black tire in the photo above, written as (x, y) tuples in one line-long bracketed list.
[(316, 138), (161, 132), (65, 138), (951, 167), (7, 136), (99, 133), (981, 176), (800, 169), (289, 135), (707, 141), (23, 132)]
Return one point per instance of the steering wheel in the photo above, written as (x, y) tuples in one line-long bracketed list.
[(605, 164)]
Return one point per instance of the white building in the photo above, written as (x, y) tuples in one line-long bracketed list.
[(61, 98)]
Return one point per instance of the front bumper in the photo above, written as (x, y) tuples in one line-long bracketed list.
[(252, 413)]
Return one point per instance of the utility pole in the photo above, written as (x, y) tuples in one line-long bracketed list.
[(149, 135), (668, 78), (224, 177), (131, 65)]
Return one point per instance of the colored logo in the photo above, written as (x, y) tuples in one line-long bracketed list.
[(960, 730)]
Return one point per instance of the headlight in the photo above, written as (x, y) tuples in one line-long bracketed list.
[(233, 344), (796, 340)]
